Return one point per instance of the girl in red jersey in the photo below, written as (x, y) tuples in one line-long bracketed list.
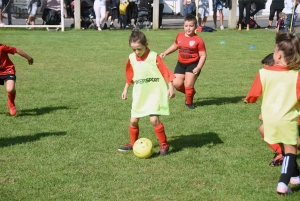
[(279, 86), (191, 58), (7, 73), (152, 87)]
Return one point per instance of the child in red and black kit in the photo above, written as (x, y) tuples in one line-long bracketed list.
[(191, 58), (8, 73)]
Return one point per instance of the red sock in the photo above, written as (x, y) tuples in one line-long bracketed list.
[(160, 133), (11, 98), (181, 89), (276, 147), (189, 95), (134, 134)]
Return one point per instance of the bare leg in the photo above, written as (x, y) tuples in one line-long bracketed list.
[(200, 21), (221, 16), (215, 18), (204, 21), (1, 16)]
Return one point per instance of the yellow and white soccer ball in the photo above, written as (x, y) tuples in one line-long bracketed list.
[(143, 148)]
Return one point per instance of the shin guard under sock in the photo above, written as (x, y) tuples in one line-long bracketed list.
[(134, 134), (276, 148), (289, 165), (160, 133), (11, 98), (296, 171), (181, 89), (189, 95)]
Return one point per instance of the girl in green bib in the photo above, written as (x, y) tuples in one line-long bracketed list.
[(279, 85), (152, 89)]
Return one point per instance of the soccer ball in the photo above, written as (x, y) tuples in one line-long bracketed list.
[(143, 148)]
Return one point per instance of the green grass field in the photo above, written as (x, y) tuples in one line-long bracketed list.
[(62, 144)]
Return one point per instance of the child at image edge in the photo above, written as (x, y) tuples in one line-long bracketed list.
[(268, 61), (8, 71), (279, 86), (191, 58), (150, 94)]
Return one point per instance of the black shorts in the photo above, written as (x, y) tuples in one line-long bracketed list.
[(4, 78), (107, 5), (183, 68)]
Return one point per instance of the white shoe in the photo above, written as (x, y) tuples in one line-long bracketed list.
[(161, 27), (2, 24), (222, 27), (283, 189), (295, 180), (99, 29)]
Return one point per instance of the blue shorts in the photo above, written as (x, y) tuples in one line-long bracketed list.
[(217, 5)]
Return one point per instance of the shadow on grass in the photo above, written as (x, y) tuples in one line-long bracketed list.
[(197, 140), (39, 111), (218, 100), (295, 188), (10, 141)]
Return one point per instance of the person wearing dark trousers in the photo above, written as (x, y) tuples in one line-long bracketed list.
[(275, 7), (161, 9), (244, 5)]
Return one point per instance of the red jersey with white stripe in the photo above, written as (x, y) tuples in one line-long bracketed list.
[(189, 47), (6, 65)]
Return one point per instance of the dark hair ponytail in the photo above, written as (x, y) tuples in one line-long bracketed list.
[(290, 46), (137, 36)]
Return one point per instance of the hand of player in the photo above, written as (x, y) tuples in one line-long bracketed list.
[(245, 101), (30, 61), (260, 117), (196, 71), (124, 95), (171, 93), (162, 55)]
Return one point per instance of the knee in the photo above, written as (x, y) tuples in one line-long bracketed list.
[(154, 121), (10, 87), (134, 122), (261, 130), (10, 91)]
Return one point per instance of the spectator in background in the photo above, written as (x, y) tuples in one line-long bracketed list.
[(275, 7), (218, 6), (1, 5), (52, 12), (280, 22), (100, 11), (244, 5), (107, 4), (203, 12), (123, 14), (161, 9), (7, 8), (189, 7), (32, 6), (114, 12), (288, 10)]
